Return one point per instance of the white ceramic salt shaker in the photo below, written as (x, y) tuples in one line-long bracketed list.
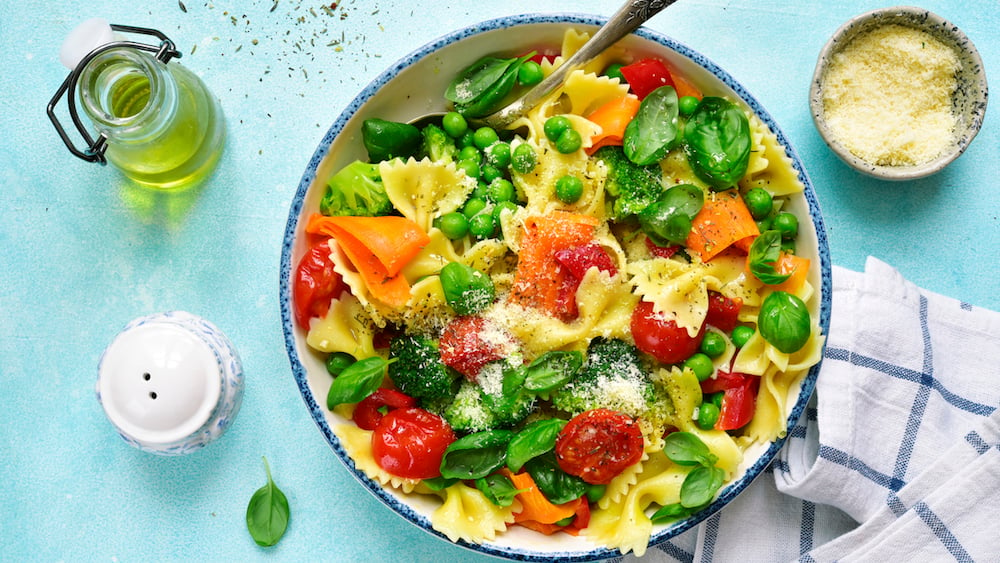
[(170, 383)]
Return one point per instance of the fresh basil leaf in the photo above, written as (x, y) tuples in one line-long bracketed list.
[(360, 379), (717, 142), (685, 448), (557, 485), (653, 130), (534, 440), (763, 255), (498, 488), (700, 486), (784, 321), (267, 513), (552, 370), (385, 140), (466, 290), (476, 455), (671, 512), (476, 79), (439, 483), (667, 221)]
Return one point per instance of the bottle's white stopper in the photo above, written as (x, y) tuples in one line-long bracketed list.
[(87, 36)]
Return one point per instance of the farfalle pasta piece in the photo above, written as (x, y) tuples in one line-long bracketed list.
[(346, 327), (357, 443), (466, 514), (778, 175), (422, 190)]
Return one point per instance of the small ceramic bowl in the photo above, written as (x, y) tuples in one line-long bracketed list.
[(968, 101)]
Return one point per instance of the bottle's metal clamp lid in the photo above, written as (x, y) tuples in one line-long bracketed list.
[(86, 41)]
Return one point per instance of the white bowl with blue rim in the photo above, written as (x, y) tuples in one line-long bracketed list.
[(414, 86)]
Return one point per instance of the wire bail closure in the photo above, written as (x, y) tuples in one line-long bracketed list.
[(96, 147)]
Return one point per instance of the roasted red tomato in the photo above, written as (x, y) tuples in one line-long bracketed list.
[(660, 338), (369, 411), (739, 398), (410, 443), (723, 312), (314, 284), (661, 251), (597, 445), (646, 75), (469, 343)]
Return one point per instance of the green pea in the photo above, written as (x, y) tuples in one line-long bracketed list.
[(764, 224), (474, 206), (555, 126), (713, 344), (523, 159), (595, 492), (530, 73), (741, 335), (454, 225), (715, 398), (501, 189), (701, 365), (469, 153), (759, 202), (687, 104), (454, 124), (569, 141), (488, 173), (708, 415), (787, 224), (569, 189), (338, 362), (498, 209), (498, 154), (471, 167), (614, 70), (466, 289), (482, 226), (484, 137), (465, 140)]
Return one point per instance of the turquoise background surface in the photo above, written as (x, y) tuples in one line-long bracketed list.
[(84, 252)]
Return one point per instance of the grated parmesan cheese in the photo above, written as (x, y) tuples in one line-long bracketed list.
[(887, 96)]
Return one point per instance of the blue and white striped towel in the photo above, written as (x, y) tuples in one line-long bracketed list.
[(899, 455)]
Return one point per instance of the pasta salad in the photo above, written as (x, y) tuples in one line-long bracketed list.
[(575, 325)]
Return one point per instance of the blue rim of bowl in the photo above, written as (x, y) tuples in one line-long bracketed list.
[(733, 489)]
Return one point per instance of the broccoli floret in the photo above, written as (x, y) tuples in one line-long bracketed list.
[(613, 377), (477, 408), (631, 187), (418, 370), (356, 190), (437, 145)]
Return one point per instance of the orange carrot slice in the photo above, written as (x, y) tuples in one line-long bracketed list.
[(539, 276), (393, 240), (723, 221), (613, 117), (683, 86), (797, 269), (537, 508)]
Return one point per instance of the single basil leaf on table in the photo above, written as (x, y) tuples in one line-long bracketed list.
[(534, 440), (685, 448), (267, 513), (763, 255), (717, 142), (784, 321), (653, 130), (476, 455), (357, 381)]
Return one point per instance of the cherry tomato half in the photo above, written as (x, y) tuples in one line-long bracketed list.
[(739, 398), (723, 312), (410, 443), (369, 411), (314, 284), (469, 343), (662, 338), (597, 445)]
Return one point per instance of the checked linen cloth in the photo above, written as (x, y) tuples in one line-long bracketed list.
[(898, 455)]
